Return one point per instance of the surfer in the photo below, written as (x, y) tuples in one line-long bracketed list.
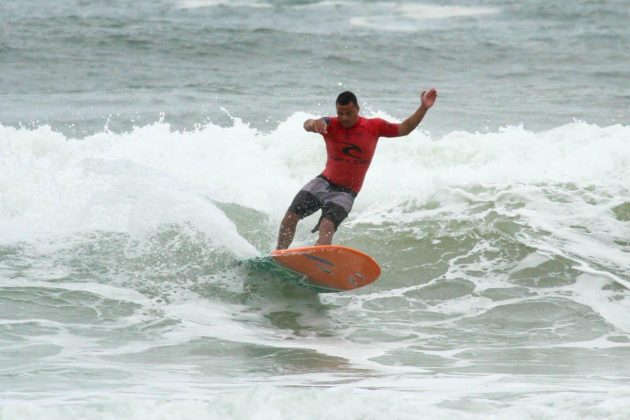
[(350, 144)]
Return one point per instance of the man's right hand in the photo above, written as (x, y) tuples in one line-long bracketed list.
[(316, 126)]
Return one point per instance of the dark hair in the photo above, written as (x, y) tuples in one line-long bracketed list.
[(346, 98)]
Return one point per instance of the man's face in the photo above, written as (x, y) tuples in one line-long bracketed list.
[(348, 115)]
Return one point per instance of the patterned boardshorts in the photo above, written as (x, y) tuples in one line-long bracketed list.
[(334, 201)]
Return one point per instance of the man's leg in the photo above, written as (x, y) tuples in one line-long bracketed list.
[(326, 231), (287, 229), (304, 204)]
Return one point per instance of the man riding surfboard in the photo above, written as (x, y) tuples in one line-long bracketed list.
[(350, 145)]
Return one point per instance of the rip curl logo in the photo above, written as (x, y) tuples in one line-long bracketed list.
[(351, 149)]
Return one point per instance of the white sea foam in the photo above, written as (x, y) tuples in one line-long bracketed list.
[(54, 186), (134, 181), (196, 4), (431, 398), (410, 17)]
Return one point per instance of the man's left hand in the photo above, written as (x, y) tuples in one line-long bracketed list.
[(428, 98)]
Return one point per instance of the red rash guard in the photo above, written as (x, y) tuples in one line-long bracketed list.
[(350, 150)]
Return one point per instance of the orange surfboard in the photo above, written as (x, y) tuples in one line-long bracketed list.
[(333, 268)]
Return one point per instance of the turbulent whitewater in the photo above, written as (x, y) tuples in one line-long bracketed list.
[(147, 150)]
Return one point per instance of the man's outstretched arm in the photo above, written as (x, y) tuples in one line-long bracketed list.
[(427, 100)]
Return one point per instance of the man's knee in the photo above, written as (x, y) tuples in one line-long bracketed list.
[(291, 216)]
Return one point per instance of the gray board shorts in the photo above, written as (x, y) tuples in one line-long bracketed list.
[(319, 193)]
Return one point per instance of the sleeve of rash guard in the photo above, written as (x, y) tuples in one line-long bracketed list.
[(386, 129)]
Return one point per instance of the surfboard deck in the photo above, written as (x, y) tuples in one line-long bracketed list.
[(329, 268)]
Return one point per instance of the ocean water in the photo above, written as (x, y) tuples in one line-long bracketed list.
[(148, 148)]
